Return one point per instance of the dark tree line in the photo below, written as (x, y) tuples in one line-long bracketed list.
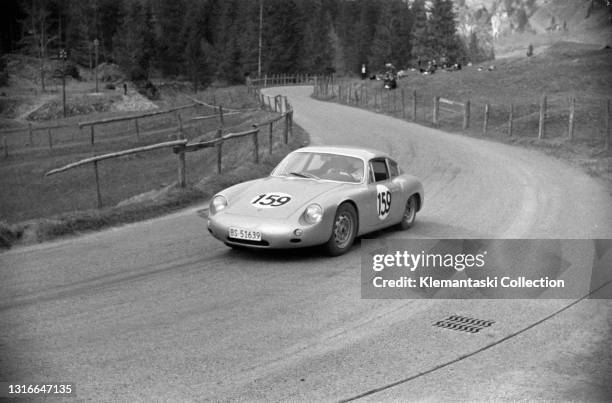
[(204, 40)]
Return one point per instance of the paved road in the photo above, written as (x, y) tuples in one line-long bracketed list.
[(160, 311)]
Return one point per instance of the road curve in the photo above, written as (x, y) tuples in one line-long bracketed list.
[(159, 310)]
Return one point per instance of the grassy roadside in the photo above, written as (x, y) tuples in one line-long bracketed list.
[(153, 203), (563, 71)]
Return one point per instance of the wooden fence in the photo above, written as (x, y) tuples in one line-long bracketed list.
[(30, 129), (181, 146), (219, 113), (92, 124), (275, 80), (402, 102)]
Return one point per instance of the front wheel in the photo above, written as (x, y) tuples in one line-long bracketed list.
[(344, 230), (409, 213)]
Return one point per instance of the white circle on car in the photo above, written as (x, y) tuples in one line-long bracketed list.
[(270, 199), (383, 201)]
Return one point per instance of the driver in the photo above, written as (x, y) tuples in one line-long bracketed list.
[(345, 168)]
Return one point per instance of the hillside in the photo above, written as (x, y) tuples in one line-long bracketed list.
[(509, 27)]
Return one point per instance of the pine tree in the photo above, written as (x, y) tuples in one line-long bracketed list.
[(133, 43), (170, 46), (198, 53), (391, 42), (442, 31), (317, 53), (382, 49), (420, 37)]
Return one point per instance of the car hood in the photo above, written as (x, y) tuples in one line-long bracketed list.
[(300, 191)]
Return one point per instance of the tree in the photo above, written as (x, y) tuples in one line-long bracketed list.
[(318, 53), (282, 38), (133, 42), (420, 32), (442, 31), (37, 38), (170, 46)]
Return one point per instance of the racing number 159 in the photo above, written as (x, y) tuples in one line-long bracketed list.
[(271, 200), (384, 203)]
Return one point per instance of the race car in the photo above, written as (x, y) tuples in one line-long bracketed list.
[(317, 196)]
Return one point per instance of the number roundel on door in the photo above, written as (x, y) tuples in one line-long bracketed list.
[(383, 201), (270, 200)]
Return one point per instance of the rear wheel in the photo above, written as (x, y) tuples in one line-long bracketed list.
[(344, 230), (409, 213)]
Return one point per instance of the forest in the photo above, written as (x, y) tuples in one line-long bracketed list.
[(208, 40)]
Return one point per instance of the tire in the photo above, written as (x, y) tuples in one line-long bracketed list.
[(344, 230), (409, 213)]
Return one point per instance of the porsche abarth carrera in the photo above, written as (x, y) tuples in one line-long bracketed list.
[(317, 196)]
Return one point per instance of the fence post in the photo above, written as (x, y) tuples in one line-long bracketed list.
[(570, 126), (50, 139), (403, 105), (414, 105), (286, 129), (607, 133), (5, 146), (221, 120), (436, 109), (98, 194), (180, 125), (270, 137), (486, 120), (30, 134), (180, 157), (510, 120), (541, 127), (91, 128), (219, 150), (466, 115), (256, 145), (137, 128), (265, 80), (388, 100)]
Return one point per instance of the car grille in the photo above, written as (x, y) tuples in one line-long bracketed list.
[(248, 242)]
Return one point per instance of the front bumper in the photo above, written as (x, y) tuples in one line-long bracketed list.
[(276, 233)]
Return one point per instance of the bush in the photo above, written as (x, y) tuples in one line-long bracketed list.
[(72, 70)]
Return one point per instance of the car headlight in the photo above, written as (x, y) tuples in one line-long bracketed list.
[(313, 214), (217, 204)]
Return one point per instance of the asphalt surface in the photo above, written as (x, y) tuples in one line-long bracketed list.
[(160, 310)]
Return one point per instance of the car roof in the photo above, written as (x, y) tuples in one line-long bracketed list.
[(358, 152)]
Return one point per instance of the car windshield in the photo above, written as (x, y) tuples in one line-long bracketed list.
[(325, 166)]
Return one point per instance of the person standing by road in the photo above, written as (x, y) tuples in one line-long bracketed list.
[(363, 72)]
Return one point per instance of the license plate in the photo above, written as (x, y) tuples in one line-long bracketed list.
[(245, 234)]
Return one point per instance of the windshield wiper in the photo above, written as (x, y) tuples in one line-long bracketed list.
[(304, 175)]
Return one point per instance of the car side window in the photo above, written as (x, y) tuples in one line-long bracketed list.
[(378, 169), (393, 168)]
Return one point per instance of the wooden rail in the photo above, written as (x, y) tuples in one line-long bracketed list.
[(135, 118), (98, 158), (181, 146), (357, 93)]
